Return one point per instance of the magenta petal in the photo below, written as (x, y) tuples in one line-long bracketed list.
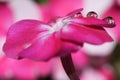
[(68, 47), (75, 12), (91, 21), (80, 33), (21, 34), (45, 48), (6, 18)]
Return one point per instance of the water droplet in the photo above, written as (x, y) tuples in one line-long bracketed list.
[(92, 14), (109, 20), (78, 14)]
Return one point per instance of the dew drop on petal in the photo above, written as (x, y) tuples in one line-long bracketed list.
[(92, 14), (110, 20), (78, 14)]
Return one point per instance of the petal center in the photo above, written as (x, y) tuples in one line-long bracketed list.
[(60, 23)]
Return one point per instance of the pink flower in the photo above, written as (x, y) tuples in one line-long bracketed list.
[(104, 72), (23, 69), (114, 11), (41, 41), (6, 18), (81, 60)]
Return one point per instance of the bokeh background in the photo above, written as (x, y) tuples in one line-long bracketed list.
[(92, 62)]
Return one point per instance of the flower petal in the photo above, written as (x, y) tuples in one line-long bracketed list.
[(92, 21), (6, 18), (80, 33), (44, 49), (74, 12), (68, 47), (21, 34)]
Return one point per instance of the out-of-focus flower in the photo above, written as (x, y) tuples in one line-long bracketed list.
[(114, 11), (51, 8), (6, 17), (99, 65), (102, 73), (81, 60), (41, 41), (24, 69)]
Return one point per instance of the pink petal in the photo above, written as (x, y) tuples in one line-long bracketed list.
[(91, 21), (80, 33), (68, 47), (80, 59), (6, 18), (19, 69), (21, 34), (45, 48), (74, 12)]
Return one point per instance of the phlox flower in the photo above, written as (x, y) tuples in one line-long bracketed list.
[(104, 72), (37, 40), (23, 69)]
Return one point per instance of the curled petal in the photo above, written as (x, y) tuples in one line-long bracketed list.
[(80, 33), (73, 13), (92, 21), (45, 48), (21, 34)]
